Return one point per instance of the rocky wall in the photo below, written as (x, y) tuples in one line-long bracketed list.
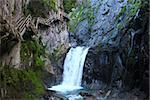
[(125, 63)]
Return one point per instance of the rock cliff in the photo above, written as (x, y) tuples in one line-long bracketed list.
[(33, 34), (117, 32)]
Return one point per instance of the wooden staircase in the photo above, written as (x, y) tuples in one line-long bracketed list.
[(18, 25), (21, 25)]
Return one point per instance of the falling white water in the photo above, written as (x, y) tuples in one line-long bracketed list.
[(73, 68)]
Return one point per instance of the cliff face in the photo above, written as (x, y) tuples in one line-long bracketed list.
[(17, 23), (117, 32), (30, 42), (99, 21), (10, 12), (34, 37), (13, 8)]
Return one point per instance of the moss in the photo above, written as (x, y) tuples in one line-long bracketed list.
[(8, 77), (37, 83), (36, 49), (24, 81)]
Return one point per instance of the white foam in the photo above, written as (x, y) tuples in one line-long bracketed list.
[(64, 88), (73, 69)]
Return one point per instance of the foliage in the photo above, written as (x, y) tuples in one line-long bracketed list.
[(133, 8), (68, 5), (24, 81), (25, 51), (36, 49), (38, 52), (37, 83), (130, 11), (40, 8), (90, 16), (123, 10), (75, 18), (84, 11)]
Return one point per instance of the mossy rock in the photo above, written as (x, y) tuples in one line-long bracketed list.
[(34, 48), (130, 11), (21, 82)]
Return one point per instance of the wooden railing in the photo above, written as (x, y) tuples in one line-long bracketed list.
[(19, 26)]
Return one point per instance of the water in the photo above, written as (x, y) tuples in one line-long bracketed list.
[(74, 97), (73, 68)]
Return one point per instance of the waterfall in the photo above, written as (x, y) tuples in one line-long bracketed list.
[(73, 69)]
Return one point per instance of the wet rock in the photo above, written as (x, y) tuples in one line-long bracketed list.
[(119, 59), (75, 97), (103, 25), (81, 31), (87, 95)]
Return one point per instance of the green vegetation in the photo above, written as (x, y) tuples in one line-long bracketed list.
[(37, 84), (35, 49), (121, 13), (51, 4), (90, 16), (75, 18), (84, 11), (35, 72), (134, 7), (26, 81), (129, 11), (40, 8), (68, 5)]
